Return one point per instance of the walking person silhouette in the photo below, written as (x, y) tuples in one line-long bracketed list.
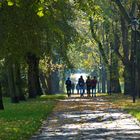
[(68, 86), (81, 84), (88, 86)]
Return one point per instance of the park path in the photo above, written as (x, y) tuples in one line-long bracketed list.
[(78, 118)]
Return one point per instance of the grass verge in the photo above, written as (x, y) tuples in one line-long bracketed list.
[(20, 121), (126, 103)]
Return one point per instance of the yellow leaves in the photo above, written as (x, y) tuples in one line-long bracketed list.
[(11, 129), (40, 8), (10, 3), (86, 62), (48, 66), (40, 13), (98, 18), (97, 8), (41, 1)]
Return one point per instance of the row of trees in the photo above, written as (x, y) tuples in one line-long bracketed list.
[(33, 31), (41, 38), (112, 33), (111, 28)]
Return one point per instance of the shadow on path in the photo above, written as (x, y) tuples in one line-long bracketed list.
[(88, 119)]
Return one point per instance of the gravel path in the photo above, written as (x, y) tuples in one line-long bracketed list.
[(88, 119)]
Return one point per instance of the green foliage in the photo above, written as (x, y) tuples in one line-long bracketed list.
[(36, 26), (20, 121)]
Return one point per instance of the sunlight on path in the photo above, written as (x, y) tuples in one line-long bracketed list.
[(88, 119)]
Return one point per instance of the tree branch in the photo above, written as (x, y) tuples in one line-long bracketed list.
[(98, 41), (124, 13)]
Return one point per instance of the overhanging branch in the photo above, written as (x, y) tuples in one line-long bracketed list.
[(124, 13), (98, 41)]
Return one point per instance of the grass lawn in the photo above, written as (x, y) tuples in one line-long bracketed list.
[(126, 103), (20, 121)]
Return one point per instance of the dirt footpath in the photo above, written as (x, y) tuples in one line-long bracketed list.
[(78, 118)]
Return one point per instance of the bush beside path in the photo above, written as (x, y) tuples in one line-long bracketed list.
[(78, 118)]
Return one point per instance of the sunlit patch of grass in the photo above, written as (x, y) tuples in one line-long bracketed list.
[(126, 103), (101, 94), (20, 121), (53, 97)]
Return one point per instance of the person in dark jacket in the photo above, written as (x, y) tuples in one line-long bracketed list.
[(81, 84), (88, 85), (77, 88), (68, 86), (72, 87)]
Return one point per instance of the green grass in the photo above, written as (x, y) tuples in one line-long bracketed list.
[(126, 103), (20, 121), (54, 97)]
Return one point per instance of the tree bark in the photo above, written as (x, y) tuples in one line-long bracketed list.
[(43, 82), (127, 80), (127, 67), (138, 68), (33, 76), (55, 81), (1, 100), (49, 83), (138, 84), (125, 14), (18, 82), (116, 88), (63, 77), (104, 80), (101, 49), (11, 83), (38, 85)]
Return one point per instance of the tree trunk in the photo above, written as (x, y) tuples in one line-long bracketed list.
[(49, 83), (1, 101), (63, 77), (18, 82), (115, 85), (108, 86), (133, 67), (138, 68), (33, 76), (126, 46), (100, 46), (103, 80), (55, 81), (138, 84), (5, 90), (38, 85), (124, 13), (127, 80), (49, 76), (11, 83), (43, 82)]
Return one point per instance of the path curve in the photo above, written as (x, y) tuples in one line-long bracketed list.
[(78, 118)]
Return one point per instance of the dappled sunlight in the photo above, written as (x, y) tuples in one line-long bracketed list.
[(54, 120), (89, 118)]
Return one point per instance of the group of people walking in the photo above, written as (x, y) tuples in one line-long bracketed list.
[(89, 85)]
